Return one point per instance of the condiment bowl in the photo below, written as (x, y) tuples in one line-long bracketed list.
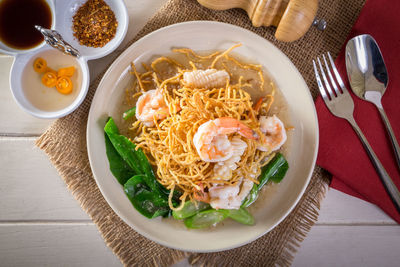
[(5, 49), (43, 102), (67, 9)]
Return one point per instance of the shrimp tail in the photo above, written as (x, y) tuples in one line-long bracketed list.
[(257, 106), (201, 195), (230, 125), (247, 132)]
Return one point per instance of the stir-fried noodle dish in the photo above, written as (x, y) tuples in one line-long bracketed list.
[(211, 145)]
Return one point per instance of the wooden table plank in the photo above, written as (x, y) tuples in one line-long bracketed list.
[(54, 245), (30, 187), (340, 208), (81, 245), (366, 246), (13, 119)]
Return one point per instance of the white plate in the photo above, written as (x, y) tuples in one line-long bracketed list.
[(204, 35)]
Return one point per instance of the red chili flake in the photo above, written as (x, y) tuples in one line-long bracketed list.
[(94, 24)]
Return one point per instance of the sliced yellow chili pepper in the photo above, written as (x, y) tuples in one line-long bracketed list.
[(49, 79), (39, 65), (68, 71), (51, 70), (64, 85)]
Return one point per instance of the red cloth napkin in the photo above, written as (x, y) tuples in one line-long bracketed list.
[(340, 150)]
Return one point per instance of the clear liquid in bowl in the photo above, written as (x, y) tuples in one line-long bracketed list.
[(48, 98)]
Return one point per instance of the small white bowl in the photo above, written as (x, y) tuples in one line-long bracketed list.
[(41, 101), (26, 87), (5, 49), (67, 9)]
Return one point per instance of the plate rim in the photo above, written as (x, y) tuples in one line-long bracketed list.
[(310, 171)]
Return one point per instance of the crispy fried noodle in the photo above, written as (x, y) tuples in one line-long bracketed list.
[(191, 117)]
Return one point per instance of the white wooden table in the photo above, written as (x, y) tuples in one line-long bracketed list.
[(41, 224)]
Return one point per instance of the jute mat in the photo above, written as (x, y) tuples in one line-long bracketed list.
[(65, 144)]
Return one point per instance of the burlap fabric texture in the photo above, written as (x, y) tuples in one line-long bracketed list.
[(65, 144)]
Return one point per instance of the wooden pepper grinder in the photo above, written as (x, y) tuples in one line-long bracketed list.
[(292, 18)]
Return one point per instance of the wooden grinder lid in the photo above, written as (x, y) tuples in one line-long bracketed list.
[(296, 20), (291, 17)]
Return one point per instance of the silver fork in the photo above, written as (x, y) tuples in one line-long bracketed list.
[(340, 103)]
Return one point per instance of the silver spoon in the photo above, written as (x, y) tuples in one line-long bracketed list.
[(368, 77), (54, 39)]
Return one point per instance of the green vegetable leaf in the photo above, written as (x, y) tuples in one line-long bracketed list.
[(129, 113), (136, 159), (124, 147), (146, 169), (275, 170), (241, 215), (111, 127), (149, 204), (251, 197), (118, 167), (126, 161), (189, 209), (206, 218)]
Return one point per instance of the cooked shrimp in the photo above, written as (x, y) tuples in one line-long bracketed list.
[(209, 78), (211, 139), (274, 133), (223, 169), (229, 196), (201, 195), (150, 106)]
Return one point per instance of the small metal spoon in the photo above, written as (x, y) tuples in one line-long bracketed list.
[(368, 77), (54, 39)]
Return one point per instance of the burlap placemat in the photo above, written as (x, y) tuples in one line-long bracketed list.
[(65, 144)]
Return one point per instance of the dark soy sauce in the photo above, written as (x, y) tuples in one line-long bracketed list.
[(18, 19)]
